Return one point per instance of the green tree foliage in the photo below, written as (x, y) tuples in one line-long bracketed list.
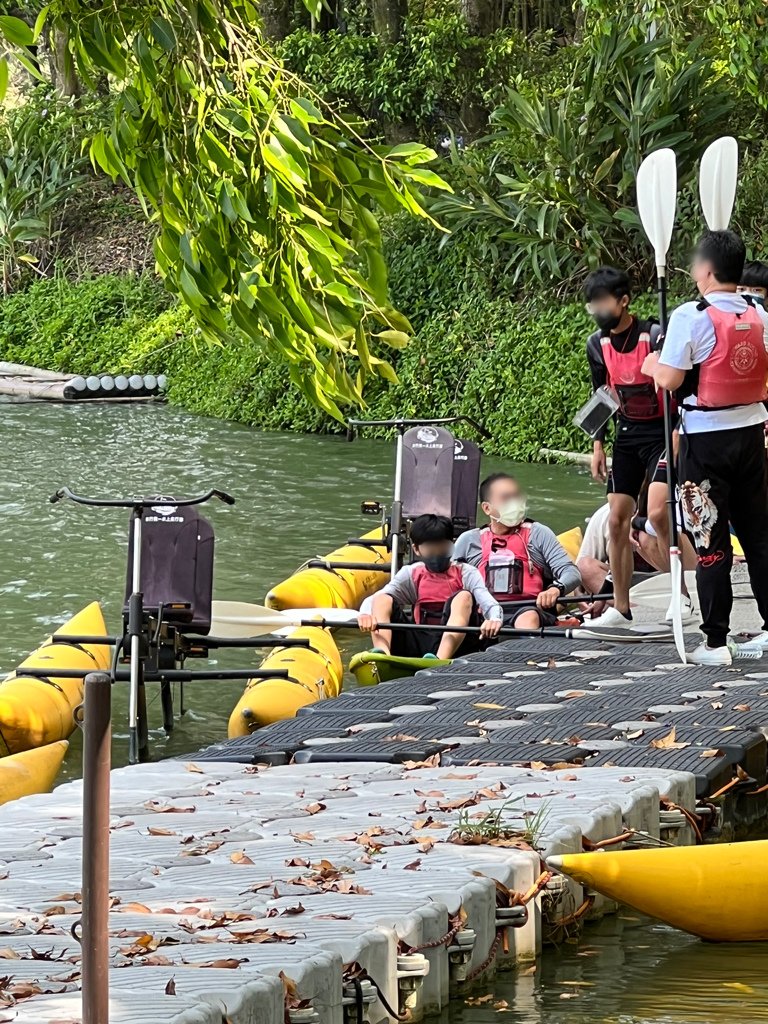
[(265, 199)]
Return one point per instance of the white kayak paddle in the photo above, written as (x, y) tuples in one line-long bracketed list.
[(718, 177), (239, 619), (656, 204)]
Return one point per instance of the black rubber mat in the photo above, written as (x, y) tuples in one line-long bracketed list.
[(515, 753), (369, 750), (239, 751), (540, 732), (712, 773), (329, 713), (739, 713)]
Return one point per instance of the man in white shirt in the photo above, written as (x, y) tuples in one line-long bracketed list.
[(716, 350)]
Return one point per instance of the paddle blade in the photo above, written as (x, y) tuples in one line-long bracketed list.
[(718, 177), (242, 620), (656, 591), (657, 201), (675, 579)]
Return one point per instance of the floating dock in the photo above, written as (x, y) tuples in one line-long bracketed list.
[(28, 383), (397, 859)]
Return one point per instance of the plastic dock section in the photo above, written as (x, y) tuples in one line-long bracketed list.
[(386, 868)]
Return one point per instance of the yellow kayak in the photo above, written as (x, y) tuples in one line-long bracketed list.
[(334, 588), (315, 673), (31, 771), (718, 892), (35, 712)]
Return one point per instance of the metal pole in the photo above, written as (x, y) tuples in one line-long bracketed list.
[(97, 741), (134, 627), (397, 506)]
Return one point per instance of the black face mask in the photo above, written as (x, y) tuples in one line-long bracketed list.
[(607, 321), (438, 563)]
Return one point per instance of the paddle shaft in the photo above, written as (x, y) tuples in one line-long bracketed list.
[(661, 286), (470, 630)]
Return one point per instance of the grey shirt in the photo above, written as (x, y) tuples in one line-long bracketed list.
[(403, 591), (545, 550)]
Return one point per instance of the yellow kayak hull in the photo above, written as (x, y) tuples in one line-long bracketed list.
[(31, 771), (314, 673), (35, 712), (334, 588), (718, 892)]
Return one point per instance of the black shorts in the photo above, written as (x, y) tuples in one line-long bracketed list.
[(636, 454), (415, 643), (546, 616), (660, 473)]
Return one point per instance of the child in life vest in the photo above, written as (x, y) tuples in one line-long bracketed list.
[(437, 591)]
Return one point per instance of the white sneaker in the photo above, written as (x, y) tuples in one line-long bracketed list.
[(689, 613), (611, 617), (704, 655), (756, 643)]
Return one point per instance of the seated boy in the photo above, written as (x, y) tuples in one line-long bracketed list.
[(437, 590), (754, 281)]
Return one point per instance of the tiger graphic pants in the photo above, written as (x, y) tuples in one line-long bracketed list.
[(723, 479)]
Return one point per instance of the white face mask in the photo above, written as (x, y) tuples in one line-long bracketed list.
[(512, 512)]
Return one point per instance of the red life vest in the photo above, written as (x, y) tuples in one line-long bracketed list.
[(736, 371), (506, 565), (433, 589), (635, 391)]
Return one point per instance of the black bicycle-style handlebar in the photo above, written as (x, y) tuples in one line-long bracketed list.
[(139, 503), (354, 425)]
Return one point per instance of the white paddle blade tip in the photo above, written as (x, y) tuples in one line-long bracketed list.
[(657, 201), (718, 177)]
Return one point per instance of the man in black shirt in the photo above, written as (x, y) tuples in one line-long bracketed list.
[(616, 352)]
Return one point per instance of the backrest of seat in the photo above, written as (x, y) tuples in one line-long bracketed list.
[(427, 472), (465, 484), (177, 546)]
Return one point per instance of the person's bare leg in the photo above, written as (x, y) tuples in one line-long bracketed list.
[(461, 613), (528, 620), (381, 611), (593, 573), (620, 548)]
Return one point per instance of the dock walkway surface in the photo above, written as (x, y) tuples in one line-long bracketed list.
[(358, 880)]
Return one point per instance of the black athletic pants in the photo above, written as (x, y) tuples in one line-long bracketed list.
[(722, 475)]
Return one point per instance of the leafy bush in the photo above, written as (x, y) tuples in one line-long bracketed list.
[(517, 366), (422, 80), (41, 168), (553, 188)]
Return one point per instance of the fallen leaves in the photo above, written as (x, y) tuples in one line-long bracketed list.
[(158, 807), (170, 988), (429, 762), (152, 831), (314, 808), (668, 742), (711, 753), (742, 707), (240, 857), (195, 769)]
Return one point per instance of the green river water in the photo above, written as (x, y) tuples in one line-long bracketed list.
[(298, 497)]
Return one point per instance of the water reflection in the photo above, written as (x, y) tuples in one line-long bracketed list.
[(627, 970)]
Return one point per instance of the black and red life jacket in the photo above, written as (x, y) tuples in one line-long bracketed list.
[(433, 589)]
